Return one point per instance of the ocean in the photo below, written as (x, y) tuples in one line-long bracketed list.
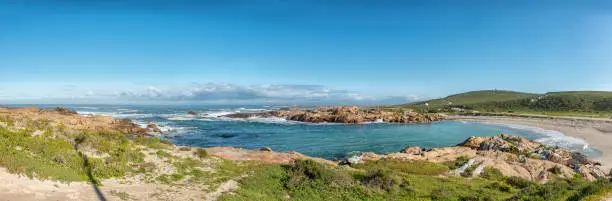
[(326, 140)]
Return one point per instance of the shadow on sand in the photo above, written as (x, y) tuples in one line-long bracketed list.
[(94, 182)]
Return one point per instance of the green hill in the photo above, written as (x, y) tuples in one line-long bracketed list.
[(474, 97), (571, 103)]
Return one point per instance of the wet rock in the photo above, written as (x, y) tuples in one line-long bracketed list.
[(192, 113), (154, 128)]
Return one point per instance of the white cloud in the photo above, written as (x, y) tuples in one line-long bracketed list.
[(208, 93), (221, 91)]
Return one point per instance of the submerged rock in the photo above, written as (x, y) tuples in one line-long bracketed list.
[(192, 113)]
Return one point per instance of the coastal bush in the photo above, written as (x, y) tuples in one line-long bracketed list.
[(382, 180), (500, 186), (162, 154), (592, 190), (7, 120), (74, 156), (469, 171), (459, 161), (555, 170), (40, 156), (271, 182), (518, 182), (201, 153), (309, 172), (153, 142), (491, 173), (406, 167)]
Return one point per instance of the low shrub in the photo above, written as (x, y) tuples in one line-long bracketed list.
[(382, 180), (309, 172), (152, 142), (457, 163), (555, 170), (500, 186), (407, 167), (201, 153), (177, 176), (468, 172), (492, 173), (518, 182), (163, 154)]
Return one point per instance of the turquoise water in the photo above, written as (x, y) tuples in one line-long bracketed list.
[(331, 141)]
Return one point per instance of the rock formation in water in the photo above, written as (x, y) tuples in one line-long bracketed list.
[(153, 127), (345, 114)]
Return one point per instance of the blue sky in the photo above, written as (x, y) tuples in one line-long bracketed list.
[(342, 51)]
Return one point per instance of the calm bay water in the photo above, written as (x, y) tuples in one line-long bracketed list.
[(331, 141)]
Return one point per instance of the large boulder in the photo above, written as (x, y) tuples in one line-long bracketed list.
[(362, 158), (153, 127), (412, 150), (502, 143)]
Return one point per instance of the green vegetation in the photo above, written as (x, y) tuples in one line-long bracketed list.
[(309, 180), (408, 167), (120, 195), (457, 163), (475, 97), (152, 142), (572, 103), (45, 150), (382, 180), (201, 153), (491, 173)]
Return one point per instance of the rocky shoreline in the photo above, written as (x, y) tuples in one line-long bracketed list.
[(72, 119), (511, 155), (345, 114)]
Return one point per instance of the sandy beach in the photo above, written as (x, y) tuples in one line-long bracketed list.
[(596, 132)]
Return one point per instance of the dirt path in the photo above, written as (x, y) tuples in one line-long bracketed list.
[(19, 188)]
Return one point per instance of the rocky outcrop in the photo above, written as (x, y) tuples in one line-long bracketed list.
[(412, 150), (348, 115), (267, 156), (511, 155), (153, 127), (71, 119), (533, 156)]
